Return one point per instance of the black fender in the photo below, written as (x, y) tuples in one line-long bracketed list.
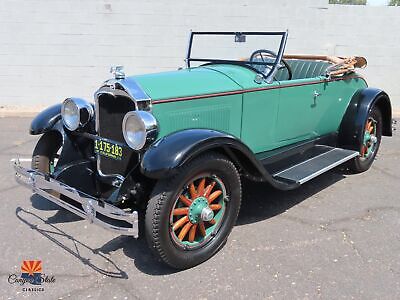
[(49, 120), (46, 120), (351, 129), (163, 158)]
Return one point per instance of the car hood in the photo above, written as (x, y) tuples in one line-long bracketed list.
[(194, 81)]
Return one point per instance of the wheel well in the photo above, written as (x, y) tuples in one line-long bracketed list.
[(385, 108)]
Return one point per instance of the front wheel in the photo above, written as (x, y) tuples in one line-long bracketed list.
[(45, 152), (190, 216)]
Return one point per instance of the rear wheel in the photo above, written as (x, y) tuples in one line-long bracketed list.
[(190, 216), (371, 141)]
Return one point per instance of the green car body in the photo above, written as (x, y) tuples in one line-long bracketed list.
[(264, 116), (169, 150)]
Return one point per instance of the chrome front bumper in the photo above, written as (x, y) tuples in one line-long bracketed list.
[(85, 206)]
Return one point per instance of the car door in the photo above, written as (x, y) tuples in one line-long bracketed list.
[(299, 110), (259, 114)]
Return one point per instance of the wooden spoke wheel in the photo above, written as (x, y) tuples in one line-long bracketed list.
[(190, 215), (371, 139), (198, 211)]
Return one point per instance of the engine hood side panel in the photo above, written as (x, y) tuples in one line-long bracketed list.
[(186, 83)]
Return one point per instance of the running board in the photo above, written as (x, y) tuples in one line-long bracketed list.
[(314, 166)]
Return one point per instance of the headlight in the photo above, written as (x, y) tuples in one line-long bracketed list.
[(139, 128), (76, 113)]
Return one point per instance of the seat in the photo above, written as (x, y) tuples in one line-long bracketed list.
[(303, 69)]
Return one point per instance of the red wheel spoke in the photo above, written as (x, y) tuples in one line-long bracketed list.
[(209, 189), (214, 196), (193, 192), (213, 221), (180, 211), (200, 188), (178, 224), (215, 206), (202, 229), (363, 150), (185, 200), (184, 231), (192, 233), (371, 128)]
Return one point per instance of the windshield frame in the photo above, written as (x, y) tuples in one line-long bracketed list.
[(246, 63)]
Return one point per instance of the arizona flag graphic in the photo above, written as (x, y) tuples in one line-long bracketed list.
[(32, 271)]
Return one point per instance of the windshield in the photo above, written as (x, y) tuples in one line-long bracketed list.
[(259, 51)]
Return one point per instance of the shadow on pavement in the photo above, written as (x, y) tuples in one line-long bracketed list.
[(260, 202), (42, 203), (54, 234), (138, 250), (62, 215)]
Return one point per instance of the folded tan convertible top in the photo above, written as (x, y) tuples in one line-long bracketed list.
[(340, 65)]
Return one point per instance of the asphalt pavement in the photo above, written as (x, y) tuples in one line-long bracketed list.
[(337, 236)]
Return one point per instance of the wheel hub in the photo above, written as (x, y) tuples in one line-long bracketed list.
[(200, 211), (207, 214), (369, 140)]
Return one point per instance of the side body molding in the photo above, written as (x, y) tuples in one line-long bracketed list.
[(351, 129), (165, 156)]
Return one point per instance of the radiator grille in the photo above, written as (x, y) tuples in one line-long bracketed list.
[(110, 113)]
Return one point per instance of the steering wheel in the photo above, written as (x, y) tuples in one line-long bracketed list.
[(268, 53)]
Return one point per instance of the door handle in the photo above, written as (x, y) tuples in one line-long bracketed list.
[(316, 94)]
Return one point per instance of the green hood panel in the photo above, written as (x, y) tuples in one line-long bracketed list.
[(241, 75), (185, 82)]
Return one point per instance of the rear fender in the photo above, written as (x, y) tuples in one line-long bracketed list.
[(351, 129)]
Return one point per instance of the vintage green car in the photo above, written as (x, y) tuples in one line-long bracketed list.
[(162, 155)]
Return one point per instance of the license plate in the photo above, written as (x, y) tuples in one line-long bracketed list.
[(108, 149)]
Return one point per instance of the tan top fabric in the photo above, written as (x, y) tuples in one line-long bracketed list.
[(340, 65)]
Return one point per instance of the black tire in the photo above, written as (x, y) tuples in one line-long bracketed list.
[(361, 164), (45, 151), (164, 197)]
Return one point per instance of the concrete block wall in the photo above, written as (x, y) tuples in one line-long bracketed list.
[(52, 49)]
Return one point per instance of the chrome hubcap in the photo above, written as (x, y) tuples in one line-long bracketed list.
[(207, 214)]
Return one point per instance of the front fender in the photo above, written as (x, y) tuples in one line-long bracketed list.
[(46, 120), (165, 156), (351, 129), (172, 151), (49, 120)]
